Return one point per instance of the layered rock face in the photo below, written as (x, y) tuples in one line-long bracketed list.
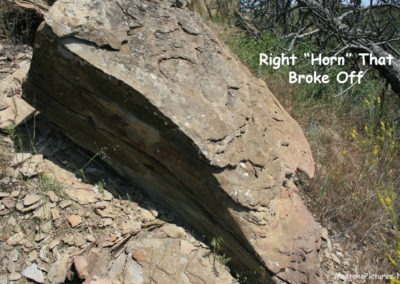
[(179, 115)]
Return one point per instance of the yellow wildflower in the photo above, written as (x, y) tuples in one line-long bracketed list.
[(376, 150), (388, 201), (383, 125), (354, 133)]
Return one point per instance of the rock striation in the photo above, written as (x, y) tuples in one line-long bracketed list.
[(176, 112)]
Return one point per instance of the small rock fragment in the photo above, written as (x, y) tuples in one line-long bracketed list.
[(33, 273), (324, 234), (42, 212), (8, 203), (81, 193), (11, 267), (30, 208), (173, 231), (33, 256), (33, 166), (13, 255), (105, 213), (84, 264), (4, 194), (79, 240), (74, 220), (335, 258), (106, 196), (107, 222), (54, 243), (69, 240), (31, 199), (44, 253), (39, 236), (14, 276), (146, 215), (19, 158), (65, 203), (15, 239), (131, 227), (4, 212), (58, 271), (52, 196), (14, 193), (101, 205), (55, 213)]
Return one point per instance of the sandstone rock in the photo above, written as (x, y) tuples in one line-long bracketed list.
[(173, 266), (65, 203), (58, 271), (15, 239), (52, 196), (29, 208), (19, 158), (13, 255), (84, 265), (11, 266), (92, 267), (173, 231), (108, 212), (14, 110), (324, 234), (133, 272), (8, 203), (39, 237), (42, 212), (4, 194), (14, 276), (81, 193), (31, 199), (54, 243), (32, 166), (44, 253), (335, 258), (55, 213), (131, 226), (74, 220), (146, 215), (32, 272), (186, 247), (180, 116)]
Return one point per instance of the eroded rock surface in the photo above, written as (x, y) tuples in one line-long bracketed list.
[(178, 114)]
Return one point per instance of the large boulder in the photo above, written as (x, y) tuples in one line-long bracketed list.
[(178, 114)]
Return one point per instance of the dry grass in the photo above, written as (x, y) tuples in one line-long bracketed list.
[(345, 193), (16, 24)]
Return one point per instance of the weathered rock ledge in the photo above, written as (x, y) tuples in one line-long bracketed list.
[(179, 115)]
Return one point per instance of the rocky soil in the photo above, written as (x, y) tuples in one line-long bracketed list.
[(65, 217)]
